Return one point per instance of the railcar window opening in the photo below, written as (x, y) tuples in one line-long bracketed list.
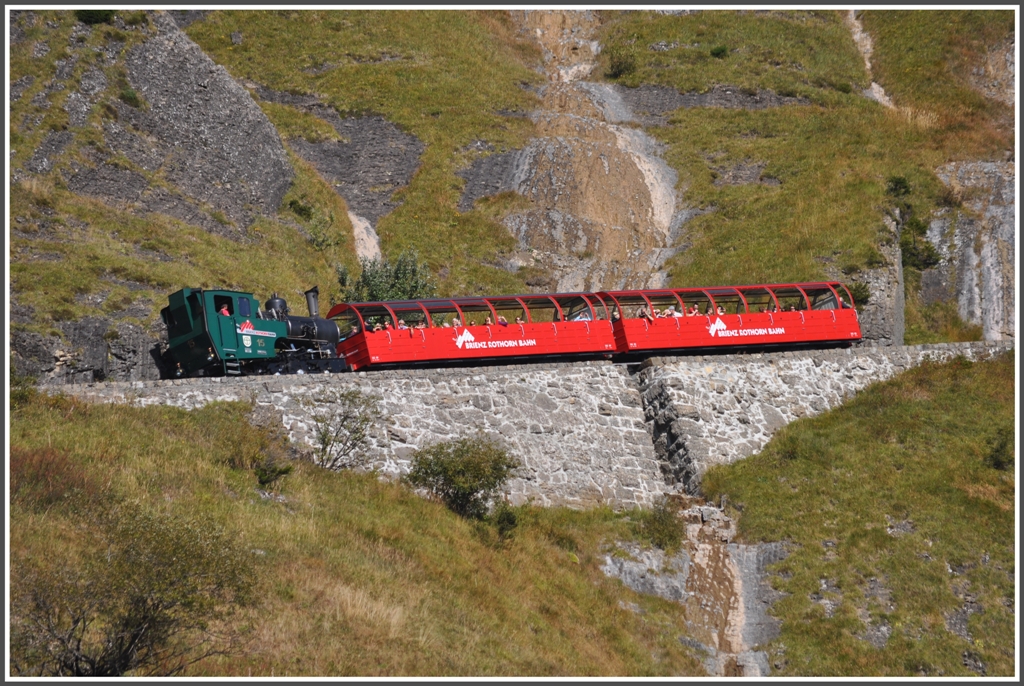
[(223, 300), (375, 316), (442, 313), (575, 308), (630, 305), (508, 309), (410, 315), (540, 309), (790, 298), (695, 303), (662, 301), (845, 293), (822, 298), (599, 305), (475, 311), (348, 323), (727, 301), (758, 300)]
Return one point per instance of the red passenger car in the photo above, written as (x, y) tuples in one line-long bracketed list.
[(605, 323)]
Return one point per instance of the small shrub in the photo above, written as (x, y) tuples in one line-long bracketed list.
[(321, 233), (92, 17), (341, 427), (301, 209), (861, 294), (661, 525), (129, 97), (1000, 450), (464, 474), (897, 186), (918, 252), (271, 469), (136, 19), (719, 51), (505, 520), (622, 61), (844, 87)]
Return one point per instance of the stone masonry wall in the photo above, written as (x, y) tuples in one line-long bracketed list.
[(579, 428), (717, 409), (587, 432)]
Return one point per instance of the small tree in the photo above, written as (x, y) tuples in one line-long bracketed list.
[(146, 601), (341, 427), (380, 279), (465, 474)]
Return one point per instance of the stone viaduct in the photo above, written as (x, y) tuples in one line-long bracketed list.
[(588, 433)]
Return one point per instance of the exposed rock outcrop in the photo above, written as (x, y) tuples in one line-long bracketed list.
[(978, 247)]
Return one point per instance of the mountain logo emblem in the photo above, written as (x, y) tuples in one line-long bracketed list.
[(719, 325), (246, 326), (464, 337)]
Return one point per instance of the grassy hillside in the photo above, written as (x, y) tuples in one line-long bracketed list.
[(454, 78), (834, 156), (357, 577), (895, 513), (443, 76)]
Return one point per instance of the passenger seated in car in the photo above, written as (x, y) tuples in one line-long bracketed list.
[(502, 321), (519, 320), (446, 324), (377, 327), (487, 321), (420, 325), (456, 322), (721, 310), (401, 325), (670, 311), (643, 313)]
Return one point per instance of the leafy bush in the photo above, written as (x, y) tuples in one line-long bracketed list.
[(143, 602), (719, 51), (660, 525), (464, 474), (405, 279), (341, 427), (1000, 453), (94, 16)]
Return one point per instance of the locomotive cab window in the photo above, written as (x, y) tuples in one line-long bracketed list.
[(221, 301), (244, 309)]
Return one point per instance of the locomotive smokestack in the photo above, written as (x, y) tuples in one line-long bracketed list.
[(312, 301)]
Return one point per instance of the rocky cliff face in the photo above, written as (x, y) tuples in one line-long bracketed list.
[(977, 243), (178, 137)]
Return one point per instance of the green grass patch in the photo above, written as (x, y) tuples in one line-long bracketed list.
[(909, 453), (832, 164), (924, 59), (358, 576), (790, 52)]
